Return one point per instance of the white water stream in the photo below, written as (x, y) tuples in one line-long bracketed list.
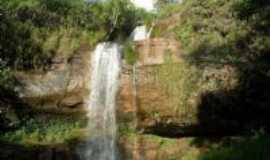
[(140, 33), (106, 67)]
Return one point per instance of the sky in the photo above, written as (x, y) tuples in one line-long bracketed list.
[(146, 4)]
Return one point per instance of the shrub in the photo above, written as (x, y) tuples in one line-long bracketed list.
[(129, 54), (34, 31), (250, 148)]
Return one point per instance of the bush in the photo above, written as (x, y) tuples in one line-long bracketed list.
[(220, 31), (129, 54), (34, 31)]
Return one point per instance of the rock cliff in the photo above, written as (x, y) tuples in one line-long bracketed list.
[(62, 88)]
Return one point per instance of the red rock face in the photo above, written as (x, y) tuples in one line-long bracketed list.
[(156, 110), (126, 98), (143, 99), (153, 106), (155, 51)]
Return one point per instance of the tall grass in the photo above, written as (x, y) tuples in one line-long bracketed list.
[(129, 54)]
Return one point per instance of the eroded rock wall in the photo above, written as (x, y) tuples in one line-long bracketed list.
[(164, 93), (63, 88)]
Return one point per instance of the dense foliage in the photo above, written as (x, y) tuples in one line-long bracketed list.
[(33, 31), (228, 44), (227, 31)]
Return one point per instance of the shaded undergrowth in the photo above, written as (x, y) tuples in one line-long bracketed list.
[(234, 148)]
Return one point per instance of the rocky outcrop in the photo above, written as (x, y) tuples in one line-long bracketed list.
[(165, 97), (138, 147), (162, 109), (157, 50), (134, 88), (62, 88), (162, 94)]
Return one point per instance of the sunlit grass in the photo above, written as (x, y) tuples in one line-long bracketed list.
[(180, 81), (40, 132)]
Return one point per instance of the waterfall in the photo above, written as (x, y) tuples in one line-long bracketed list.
[(140, 33), (106, 66)]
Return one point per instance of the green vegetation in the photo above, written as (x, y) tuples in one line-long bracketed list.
[(254, 147), (129, 54), (251, 148), (44, 131), (227, 42), (6, 80), (222, 39), (227, 31), (224, 70), (180, 81), (34, 31)]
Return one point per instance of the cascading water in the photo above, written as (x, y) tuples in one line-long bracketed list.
[(106, 66), (140, 33)]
